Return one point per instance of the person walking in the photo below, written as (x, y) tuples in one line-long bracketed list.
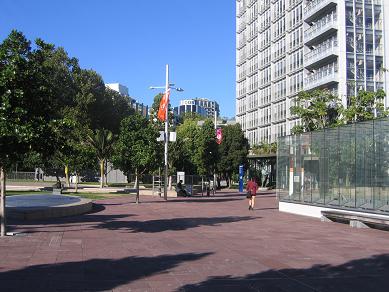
[(251, 192)]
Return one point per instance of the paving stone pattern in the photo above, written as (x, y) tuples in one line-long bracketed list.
[(192, 244)]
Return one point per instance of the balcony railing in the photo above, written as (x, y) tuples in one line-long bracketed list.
[(322, 76), (322, 50), (320, 26), (315, 6)]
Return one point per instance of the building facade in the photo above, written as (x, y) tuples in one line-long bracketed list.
[(285, 46), (201, 106), (123, 90)]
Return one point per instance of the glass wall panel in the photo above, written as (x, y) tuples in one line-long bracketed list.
[(317, 144), (332, 160), (363, 164), (345, 167), (306, 175), (381, 185)]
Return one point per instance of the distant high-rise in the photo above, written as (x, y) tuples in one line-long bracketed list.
[(202, 106), (123, 90), (285, 46)]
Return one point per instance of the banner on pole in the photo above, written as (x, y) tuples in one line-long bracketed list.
[(219, 136), (163, 105)]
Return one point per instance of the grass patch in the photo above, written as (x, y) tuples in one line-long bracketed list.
[(96, 196)]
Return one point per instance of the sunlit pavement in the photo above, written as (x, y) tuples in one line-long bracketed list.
[(192, 244)]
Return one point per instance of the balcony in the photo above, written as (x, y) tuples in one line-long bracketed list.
[(322, 28), (324, 76), (322, 54), (315, 8)]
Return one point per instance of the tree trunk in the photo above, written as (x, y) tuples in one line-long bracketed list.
[(67, 175), (76, 183), (136, 187), (136, 180), (101, 173), (106, 172), (2, 203), (170, 182)]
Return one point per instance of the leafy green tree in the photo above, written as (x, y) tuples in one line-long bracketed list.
[(317, 109), (101, 142), (264, 148), (206, 154), (186, 135), (233, 151), (365, 106), (136, 149), (31, 115)]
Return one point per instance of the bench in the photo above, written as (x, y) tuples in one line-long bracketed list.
[(357, 220)]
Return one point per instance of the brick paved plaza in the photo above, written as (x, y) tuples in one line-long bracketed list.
[(196, 244)]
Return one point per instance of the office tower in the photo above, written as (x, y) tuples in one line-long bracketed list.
[(202, 106), (285, 46)]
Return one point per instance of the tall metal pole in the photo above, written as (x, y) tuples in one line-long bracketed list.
[(166, 135), (214, 169)]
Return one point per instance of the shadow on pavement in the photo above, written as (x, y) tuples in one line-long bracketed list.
[(117, 222), (92, 275), (174, 224), (370, 274)]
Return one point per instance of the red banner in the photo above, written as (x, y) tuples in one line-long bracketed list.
[(162, 106)]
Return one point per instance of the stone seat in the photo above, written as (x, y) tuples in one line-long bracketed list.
[(359, 220)]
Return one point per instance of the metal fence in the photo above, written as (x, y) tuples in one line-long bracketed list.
[(345, 167), (21, 175)]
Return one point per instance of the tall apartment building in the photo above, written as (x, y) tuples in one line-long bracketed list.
[(285, 46), (202, 106), (123, 90)]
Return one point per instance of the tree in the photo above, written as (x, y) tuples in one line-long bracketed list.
[(136, 149), (317, 109), (31, 116), (233, 151), (101, 141), (366, 106), (264, 148), (186, 135), (206, 154)]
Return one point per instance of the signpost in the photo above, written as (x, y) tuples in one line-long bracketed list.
[(241, 174)]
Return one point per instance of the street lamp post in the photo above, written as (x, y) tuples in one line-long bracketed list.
[(167, 87)]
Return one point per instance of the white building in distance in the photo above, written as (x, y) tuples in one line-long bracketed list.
[(123, 90), (286, 46)]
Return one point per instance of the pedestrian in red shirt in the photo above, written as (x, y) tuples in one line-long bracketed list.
[(251, 192)]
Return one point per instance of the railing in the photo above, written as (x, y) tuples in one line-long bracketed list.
[(321, 74), (321, 50), (21, 175), (322, 24), (314, 6)]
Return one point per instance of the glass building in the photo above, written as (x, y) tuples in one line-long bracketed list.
[(343, 168), (285, 46)]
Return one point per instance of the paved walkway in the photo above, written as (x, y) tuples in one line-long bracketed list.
[(196, 244)]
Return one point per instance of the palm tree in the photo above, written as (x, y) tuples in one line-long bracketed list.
[(101, 141)]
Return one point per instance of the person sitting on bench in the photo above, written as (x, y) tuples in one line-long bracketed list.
[(180, 190)]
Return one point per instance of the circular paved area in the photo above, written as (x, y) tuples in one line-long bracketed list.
[(195, 244)]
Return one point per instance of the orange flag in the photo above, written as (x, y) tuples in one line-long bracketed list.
[(162, 106)]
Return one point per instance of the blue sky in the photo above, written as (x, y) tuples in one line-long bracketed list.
[(130, 41)]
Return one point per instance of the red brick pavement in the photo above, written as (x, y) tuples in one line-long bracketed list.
[(192, 244)]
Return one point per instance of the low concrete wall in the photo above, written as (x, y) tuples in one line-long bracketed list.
[(84, 206), (315, 211)]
